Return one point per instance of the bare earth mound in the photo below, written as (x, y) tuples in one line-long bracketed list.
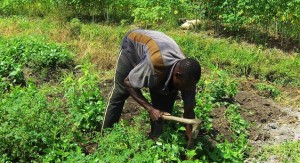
[(270, 123)]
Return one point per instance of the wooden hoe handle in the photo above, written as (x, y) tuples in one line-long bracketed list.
[(194, 122), (182, 120)]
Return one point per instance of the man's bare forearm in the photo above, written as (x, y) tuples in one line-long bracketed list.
[(137, 95), (189, 113)]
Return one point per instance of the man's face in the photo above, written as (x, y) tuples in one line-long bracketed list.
[(182, 82), (184, 85)]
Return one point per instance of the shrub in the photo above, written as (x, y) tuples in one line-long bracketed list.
[(221, 86), (40, 57), (31, 128), (83, 100), (267, 90), (50, 124)]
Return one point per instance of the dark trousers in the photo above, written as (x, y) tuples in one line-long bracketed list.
[(119, 95)]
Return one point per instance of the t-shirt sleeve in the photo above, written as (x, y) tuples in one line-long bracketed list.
[(142, 75), (188, 97)]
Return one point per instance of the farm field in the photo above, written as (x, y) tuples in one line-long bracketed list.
[(56, 76)]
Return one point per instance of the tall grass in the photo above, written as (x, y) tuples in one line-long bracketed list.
[(100, 44), (242, 59)]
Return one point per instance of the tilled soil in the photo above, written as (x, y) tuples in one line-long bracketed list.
[(270, 123)]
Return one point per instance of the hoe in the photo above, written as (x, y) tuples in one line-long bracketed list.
[(194, 122)]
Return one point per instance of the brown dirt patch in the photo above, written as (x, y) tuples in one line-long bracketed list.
[(270, 123), (257, 110), (220, 123)]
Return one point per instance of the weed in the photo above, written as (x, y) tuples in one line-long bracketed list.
[(236, 150), (267, 90), (19, 53), (31, 128), (285, 152), (84, 101), (75, 28)]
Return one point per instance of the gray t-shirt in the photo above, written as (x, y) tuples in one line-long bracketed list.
[(156, 54), (152, 56)]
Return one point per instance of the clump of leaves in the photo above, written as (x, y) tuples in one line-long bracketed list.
[(84, 100), (19, 53), (267, 90), (75, 28), (216, 88), (51, 125), (31, 128), (236, 149), (221, 86)]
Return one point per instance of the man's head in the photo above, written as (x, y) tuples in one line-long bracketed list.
[(186, 74)]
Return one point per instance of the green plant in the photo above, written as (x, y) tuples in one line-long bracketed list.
[(51, 124), (203, 109), (41, 57), (31, 128), (75, 28), (234, 151), (10, 72), (84, 100), (221, 85), (267, 90)]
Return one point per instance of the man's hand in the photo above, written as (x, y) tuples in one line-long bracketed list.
[(155, 114)]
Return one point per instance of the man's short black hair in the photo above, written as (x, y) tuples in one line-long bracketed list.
[(190, 69)]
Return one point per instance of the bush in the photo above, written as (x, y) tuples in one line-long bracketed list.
[(221, 85), (50, 124), (34, 53), (31, 127), (84, 100), (19, 53), (267, 90)]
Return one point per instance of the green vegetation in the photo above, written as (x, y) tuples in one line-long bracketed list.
[(41, 58), (50, 123), (57, 123), (285, 152), (54, 63), (267, 90), (243, 60), (259, 22)]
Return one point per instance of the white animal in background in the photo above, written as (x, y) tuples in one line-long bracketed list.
[(189, 24)]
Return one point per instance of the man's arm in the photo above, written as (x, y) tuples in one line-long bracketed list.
[(189, 113), (189, 105), (137, 95)]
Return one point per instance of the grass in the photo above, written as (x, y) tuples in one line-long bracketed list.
[(75, 100), (243, 59), (285, 152), (100, 43)]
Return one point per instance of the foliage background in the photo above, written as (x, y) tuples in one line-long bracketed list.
[(259, 21), (51, 105)]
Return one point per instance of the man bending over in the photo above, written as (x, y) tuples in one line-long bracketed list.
[(153, 60)]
